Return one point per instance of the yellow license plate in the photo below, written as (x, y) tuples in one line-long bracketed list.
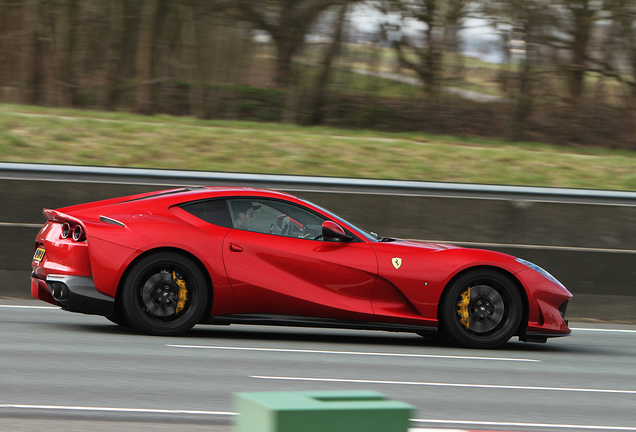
[(39, 254)]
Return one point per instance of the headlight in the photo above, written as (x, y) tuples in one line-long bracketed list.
[(538, 270)]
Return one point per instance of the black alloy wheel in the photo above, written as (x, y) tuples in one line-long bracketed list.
[(165, 294), (482, 309)]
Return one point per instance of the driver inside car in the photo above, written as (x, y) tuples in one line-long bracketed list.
[(244, 211)]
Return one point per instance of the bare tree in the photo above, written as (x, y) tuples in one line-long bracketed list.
[(578, 19), (83, 19), (623, 33), (61, 39), (287, 21), (457, 12), (113, 47), (145, 56), (440, 20), (316, 101), (28, 57), (190, 60), (524, 26)]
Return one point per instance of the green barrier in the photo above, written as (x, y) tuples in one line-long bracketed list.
[(320, 411)]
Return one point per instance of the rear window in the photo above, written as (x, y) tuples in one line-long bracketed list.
[(212, 211)]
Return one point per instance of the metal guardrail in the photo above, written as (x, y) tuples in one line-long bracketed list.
[(143, 175)]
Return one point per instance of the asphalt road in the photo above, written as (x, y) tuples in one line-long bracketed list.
[(71, 372)]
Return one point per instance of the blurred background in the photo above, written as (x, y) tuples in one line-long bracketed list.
[(554, 71)]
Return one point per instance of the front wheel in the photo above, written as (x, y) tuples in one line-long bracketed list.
[(482, 309), (165, 294)]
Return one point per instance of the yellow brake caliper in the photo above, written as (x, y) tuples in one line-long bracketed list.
[(183, 292), (462, 308)]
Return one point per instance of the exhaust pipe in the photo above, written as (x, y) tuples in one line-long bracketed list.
[(58, 290)]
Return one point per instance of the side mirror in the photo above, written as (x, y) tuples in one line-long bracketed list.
[(331, 230)]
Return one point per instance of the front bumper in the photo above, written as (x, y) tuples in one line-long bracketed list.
[(72, 293)]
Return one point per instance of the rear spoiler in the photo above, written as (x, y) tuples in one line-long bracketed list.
[(56, 216)]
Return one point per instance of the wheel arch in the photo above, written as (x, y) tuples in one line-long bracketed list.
[(524, 296), (184, 253)]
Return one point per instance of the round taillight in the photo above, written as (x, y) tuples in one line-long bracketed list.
[(78, 233), (66, 230)]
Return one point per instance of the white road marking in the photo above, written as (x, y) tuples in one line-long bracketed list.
[(380, 354), (439, 384), (112, 409), (437, 430), (550, 426), (229, 413), (604, 330), (29, 307)]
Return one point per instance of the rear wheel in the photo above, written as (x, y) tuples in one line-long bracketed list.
[(482, 309), (164, 294)]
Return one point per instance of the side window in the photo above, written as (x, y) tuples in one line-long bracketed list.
[(275, 217), (212, 211)]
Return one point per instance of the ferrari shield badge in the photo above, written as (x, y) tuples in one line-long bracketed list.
[(397, 262)]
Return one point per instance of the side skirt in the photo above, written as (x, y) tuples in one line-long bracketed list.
[(298, 321)]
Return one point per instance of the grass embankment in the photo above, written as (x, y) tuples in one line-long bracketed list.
[(61, 136)]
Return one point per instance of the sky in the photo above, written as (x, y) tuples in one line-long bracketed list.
[(478, 38)]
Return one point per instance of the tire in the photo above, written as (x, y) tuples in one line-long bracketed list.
[(164, 294), (482, 309)]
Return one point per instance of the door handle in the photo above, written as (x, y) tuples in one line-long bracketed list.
[(235, 248)]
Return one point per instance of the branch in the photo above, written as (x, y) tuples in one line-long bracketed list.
[(422, 72), (246, 10), (609, 71)]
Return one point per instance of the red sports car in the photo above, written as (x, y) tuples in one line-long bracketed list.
[(165, 261)]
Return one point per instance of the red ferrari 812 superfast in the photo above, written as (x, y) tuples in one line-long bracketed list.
[(165, 261)]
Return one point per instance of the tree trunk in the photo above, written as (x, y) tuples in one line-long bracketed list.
[(190, 59), (31, 9), (287, 77), (428, 65), (144, 60), (286, 48), (452, 46), (523, 101), (113, 53), (46, 63), (452, 40), (631, 53), (583, 20), (318, 96), (80, 19), (292, 99), (523, 91), (60, 43)]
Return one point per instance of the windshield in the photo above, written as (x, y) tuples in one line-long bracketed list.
[(368, 235)]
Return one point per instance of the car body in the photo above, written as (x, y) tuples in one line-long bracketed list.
[(165, 261)]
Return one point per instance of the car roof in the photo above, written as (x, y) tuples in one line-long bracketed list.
[(204, 192), (170, 197)]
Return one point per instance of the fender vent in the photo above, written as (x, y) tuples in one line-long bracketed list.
[(111, 221)]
